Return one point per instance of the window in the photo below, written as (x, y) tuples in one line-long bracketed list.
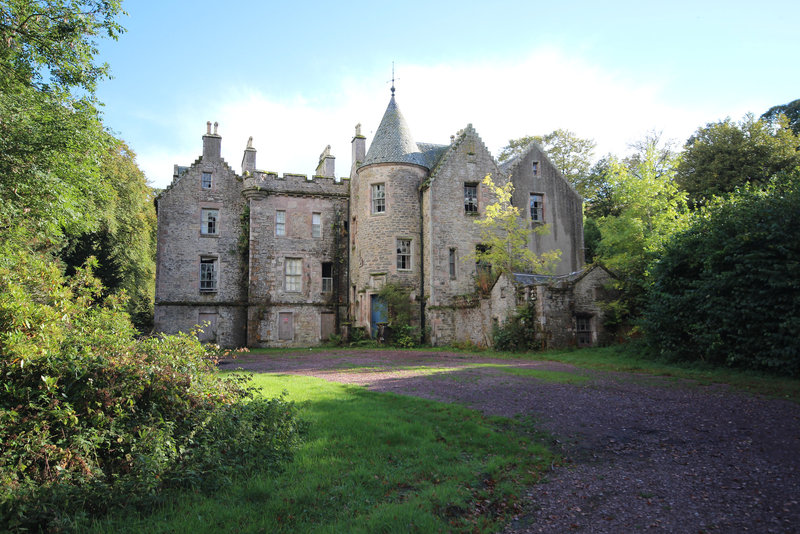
[(327, 277), (209, 226), (208, 274), (294, 275), (316, 225), (583, 324), (280, 222), (482, 267), (452, 263), (537, 207), (205, 181), (403, 254), (471, 198), (535, 168), (378, 198)]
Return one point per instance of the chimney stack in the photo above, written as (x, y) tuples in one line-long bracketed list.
[(359, 145), (249, 158), (212, 143)]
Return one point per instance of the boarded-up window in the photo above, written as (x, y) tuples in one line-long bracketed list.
[(327, 325), (285, 326)]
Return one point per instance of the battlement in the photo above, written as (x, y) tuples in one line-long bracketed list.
[(267, 182)]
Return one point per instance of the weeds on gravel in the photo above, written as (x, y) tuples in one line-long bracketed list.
[(633, 358), (371, 462)]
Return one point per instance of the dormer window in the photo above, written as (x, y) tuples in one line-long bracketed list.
[(205, 181)]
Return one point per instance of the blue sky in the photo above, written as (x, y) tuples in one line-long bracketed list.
[(298, 76)]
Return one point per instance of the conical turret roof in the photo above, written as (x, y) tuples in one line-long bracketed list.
[(393, 142)]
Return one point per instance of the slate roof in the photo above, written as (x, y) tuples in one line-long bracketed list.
[(534, 279), (393, 142)]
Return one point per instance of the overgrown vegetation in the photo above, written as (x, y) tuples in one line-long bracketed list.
[(520, 332), (398, 304), (93, 419), (505, 236), (372, 462), (727, 290)]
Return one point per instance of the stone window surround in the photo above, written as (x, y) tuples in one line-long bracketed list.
[(327, 281), (280, 223), (535, 168), (471, 198), (377, 202), (209, 274), (540, 212), (452, 263), (293, 275), (316, 227), (207, 180), (404, 255), (584, 330), (206, 223)]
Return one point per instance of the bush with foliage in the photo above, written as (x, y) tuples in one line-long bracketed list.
[(93, 418), (727, 290), (398, 304), (520, 332)]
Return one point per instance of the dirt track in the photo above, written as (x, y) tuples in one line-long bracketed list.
[(643, 453)]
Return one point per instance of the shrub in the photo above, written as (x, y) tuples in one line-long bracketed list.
[(92, 418), (726, 291), (398, 304), (520, 332)]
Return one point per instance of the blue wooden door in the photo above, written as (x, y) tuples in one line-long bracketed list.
[(378, 313)]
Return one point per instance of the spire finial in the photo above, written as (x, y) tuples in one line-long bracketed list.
[(392, 79)]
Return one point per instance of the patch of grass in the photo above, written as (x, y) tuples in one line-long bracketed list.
[(633, 358), (371, 462), (558, 377)]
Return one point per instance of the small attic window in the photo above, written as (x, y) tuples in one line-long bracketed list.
[(205, 181), (535, 168)]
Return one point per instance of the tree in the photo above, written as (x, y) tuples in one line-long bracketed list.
[(650, 210), (51, 138), (50, 45), (125, 240), (571, 155), (505, 235), (725, 155), (790, 110), (726, 289)]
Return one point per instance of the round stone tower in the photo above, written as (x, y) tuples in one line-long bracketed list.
[(385, 217)]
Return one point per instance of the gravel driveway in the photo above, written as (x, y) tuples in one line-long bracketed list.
[(642, 452)]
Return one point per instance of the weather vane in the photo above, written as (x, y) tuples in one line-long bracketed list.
[(392, 78)]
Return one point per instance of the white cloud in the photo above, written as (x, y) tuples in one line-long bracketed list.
[(503, 100)]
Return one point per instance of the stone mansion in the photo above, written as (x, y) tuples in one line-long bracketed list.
[(267, 260)]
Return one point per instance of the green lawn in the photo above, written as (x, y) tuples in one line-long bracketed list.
[(371, 462)]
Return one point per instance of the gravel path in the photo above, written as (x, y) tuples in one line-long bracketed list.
[(642, 452)]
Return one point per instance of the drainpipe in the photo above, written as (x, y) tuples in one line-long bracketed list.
[(421, 272)]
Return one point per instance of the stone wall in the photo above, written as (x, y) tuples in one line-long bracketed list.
[(304, 313), (563, 207), (373, 254), (449, 227), (181, 246)]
